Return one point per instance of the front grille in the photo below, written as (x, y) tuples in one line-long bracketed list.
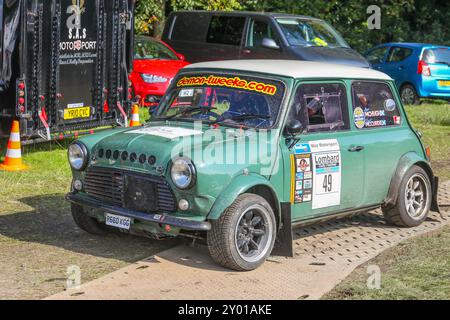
[(129, 190)]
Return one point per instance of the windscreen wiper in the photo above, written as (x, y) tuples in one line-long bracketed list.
[(243, 117), (184, 110)]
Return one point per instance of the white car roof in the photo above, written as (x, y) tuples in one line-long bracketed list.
[(294, 69)]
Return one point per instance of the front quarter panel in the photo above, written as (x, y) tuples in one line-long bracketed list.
[(239, 185)]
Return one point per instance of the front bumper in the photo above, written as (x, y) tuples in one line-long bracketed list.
[(182, 224)]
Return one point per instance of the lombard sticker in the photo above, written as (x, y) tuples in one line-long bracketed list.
[(327, 179), (167, 132), (302, 148), (359, 118), (229, 82)]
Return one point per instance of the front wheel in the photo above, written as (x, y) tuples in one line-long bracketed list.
[(244, 236), (414, 200)]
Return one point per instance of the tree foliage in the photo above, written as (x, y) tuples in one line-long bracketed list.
[(401, 20)]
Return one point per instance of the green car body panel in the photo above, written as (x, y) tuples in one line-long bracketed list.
[(368, 178)]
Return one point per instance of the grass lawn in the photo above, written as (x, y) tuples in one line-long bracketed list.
[(417, 269), (433, 120), (38, 238)]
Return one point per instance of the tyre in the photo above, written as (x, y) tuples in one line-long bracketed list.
[(413, 201), (244, 236), (409, 95), (86, 223)]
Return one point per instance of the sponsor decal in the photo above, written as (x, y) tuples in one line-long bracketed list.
[(303, 164), (375, 123), (359, 117), (375, 113), (167, 132), (397, 120), (299, 185), (234, 82), (307, 184), (302, 148)]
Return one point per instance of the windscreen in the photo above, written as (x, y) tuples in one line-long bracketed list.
[(224, 99), (304, 32), (149, 49), (437, 55)]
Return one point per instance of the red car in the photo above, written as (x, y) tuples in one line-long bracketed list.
[(155, 65)]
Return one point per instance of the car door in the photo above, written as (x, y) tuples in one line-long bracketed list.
[(257, 30), (377, 57), (382, 132), (397, 66), (324, 167)]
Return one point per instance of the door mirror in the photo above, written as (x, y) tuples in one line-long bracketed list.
[(293, 128), (390, 105), (181, 56), (269, 43)]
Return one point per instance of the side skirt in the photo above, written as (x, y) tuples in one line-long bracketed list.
[(284, 246)]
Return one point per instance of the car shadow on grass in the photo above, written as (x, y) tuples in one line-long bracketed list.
[(49, 222)]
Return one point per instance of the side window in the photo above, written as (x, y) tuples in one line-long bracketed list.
[(258, 30), (398, 54), (190, 28), (374, 105), (321, 107), (376, 55), (226, 30)]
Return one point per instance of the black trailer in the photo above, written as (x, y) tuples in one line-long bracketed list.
[(64, 65)]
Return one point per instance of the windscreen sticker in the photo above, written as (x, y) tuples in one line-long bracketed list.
[(230, 82), (317, 177), (167, 132)]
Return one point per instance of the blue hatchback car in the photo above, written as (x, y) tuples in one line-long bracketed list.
[(419, 70)]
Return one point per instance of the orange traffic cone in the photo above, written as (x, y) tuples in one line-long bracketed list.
[(135, 121), (13, 159)]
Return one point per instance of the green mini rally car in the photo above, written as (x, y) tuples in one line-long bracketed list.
[(241, 152)]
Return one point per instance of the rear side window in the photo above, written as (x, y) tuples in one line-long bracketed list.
[(226, 30), (374, 105), (398, 54), (321, 107), (189, 27)]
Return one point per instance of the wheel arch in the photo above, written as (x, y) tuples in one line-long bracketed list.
[(252, 183), (405, 163)]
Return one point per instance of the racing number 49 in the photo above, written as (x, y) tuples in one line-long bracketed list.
[(328, 183)]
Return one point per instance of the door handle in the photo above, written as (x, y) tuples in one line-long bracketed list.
[(356, 149), (247, 51)]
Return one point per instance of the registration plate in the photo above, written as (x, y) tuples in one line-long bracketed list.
[(76, 113), (444, 83), (118, 221)]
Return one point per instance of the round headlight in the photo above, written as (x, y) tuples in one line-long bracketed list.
[(78, 156), (183, 173)]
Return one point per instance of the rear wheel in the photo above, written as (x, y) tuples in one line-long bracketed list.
[(244, 236), (86, 223), (409, 95), (414, 200)]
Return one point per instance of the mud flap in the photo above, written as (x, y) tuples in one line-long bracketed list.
[(434, 201), (284, 243)]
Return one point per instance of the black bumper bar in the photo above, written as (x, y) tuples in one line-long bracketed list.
[(148, 217)]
